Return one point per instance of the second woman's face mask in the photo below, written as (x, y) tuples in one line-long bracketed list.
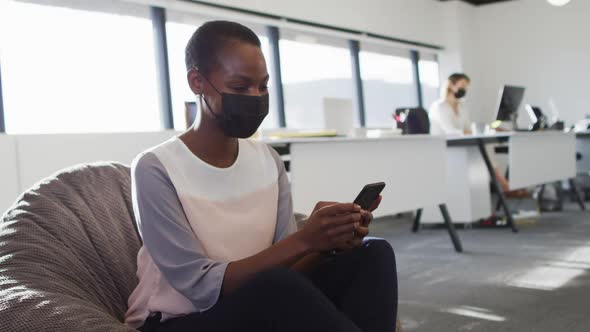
[(240, 115), (461, 92)]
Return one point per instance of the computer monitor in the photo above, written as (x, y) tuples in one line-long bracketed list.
[(509, 101), (190, 113)]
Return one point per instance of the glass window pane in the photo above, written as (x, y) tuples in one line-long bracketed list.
[(310, 72), (429, 80), (178, 35), (89, 72), (272, 120), (388, 83)]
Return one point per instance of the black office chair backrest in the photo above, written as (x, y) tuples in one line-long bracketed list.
[(417, 122)]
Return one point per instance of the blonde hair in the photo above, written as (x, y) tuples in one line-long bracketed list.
[(453, 79)]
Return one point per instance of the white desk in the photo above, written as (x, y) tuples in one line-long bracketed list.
[(41, 155), (543, 157), (321, 169), (468, 196), (30, 158), (583, 147), (534, 158), (336, 169)]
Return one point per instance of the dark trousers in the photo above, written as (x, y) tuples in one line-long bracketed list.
[(354, 290)]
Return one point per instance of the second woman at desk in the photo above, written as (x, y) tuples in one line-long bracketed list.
[(448, 115)]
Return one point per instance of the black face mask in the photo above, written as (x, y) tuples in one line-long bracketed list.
[(241, 115), (460, 93)]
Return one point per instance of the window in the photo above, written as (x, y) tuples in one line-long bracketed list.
[(93, 72), (178, 35), (429, 79), (388, 83), (313, 69), (179, 29)]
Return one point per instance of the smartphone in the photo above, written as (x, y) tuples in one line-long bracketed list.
[(369, 195)]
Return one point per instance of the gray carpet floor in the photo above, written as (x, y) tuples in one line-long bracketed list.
[(535, 280)]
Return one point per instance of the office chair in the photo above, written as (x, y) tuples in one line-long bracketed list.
[(413, 121)]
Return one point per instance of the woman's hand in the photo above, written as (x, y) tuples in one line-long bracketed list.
[(322, 204), (331, 226), (362, 230), (368, 215)]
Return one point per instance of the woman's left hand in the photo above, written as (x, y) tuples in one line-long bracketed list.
[(363, 229), (367, 215)]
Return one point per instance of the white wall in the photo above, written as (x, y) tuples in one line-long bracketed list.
[(414, 20), (418, 20), (533, 44), (30, 158), (458, 26)]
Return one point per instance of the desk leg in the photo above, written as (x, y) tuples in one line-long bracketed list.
[(575, 190), (541, 194), (559, 193), (416, 225), (501, 198), (451, 228), (506, 175)]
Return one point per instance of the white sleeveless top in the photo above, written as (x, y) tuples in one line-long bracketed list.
[(195, 218)]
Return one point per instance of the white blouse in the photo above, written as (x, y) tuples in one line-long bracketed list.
[(444, 121)]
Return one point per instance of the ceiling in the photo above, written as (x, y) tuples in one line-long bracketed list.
[(481, 2)]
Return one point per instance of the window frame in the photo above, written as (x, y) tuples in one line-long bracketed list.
[(273, 27)]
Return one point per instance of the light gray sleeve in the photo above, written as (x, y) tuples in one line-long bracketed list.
[(167, 235), (285, 218)]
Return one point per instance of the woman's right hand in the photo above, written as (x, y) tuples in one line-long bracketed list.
[(331, 227)]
